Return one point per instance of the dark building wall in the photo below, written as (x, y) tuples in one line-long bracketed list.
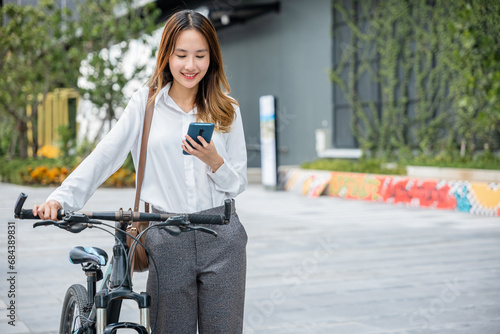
[(288, 55)]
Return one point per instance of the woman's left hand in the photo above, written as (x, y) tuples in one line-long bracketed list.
[(206, 152)]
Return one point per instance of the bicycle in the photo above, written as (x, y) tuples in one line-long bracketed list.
[(88, 311)]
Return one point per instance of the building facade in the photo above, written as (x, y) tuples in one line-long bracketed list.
[(279, 48), (286, 54)]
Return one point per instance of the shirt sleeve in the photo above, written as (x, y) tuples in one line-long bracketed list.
[(231, 177), (104, 160)]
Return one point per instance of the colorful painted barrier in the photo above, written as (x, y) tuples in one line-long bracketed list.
[(464, 196)]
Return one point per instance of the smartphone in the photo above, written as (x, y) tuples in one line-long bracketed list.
[(199, 129)]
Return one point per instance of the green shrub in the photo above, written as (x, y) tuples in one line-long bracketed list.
[(19, 171), (47, 171)]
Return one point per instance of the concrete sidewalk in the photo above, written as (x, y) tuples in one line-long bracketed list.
[(323, 265)]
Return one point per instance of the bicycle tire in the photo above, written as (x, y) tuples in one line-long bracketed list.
[(75, 309)]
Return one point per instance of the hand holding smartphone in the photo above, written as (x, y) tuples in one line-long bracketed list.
[(204, 130)]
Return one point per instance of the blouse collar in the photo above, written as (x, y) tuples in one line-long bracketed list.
[(170, 102)]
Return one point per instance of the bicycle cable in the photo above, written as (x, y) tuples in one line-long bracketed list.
[(131, 252)]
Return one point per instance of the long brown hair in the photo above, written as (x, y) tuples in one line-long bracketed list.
[(212, 100)]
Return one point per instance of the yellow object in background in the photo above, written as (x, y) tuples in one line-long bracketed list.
[(486, 195), (58, 109), (49, 151)]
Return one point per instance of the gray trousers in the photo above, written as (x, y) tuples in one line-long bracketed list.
[(201, 279)]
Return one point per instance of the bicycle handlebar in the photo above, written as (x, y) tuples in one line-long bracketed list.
[(76, 222), (129, 215)]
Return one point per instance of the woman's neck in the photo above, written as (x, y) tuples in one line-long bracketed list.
[(183, 97)]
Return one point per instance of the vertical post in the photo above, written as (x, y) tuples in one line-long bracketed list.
[(268, 141), (41, 120), (29, 133)]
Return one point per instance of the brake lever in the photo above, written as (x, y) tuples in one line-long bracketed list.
[(173, 230), (45, 223), (69, 217), (73, 227), (173, 225), (201, 229), (74, 217), (178, 224), (72, 222)]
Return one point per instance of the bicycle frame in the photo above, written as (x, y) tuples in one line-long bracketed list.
[(120, 288), (116, 286)]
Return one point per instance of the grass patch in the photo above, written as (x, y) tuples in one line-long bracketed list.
[(481, 161), (377, 166), (371, 166)]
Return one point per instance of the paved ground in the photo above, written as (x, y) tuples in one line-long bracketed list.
[(314, 266)]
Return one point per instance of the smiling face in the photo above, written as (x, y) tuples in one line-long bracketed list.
[(190, 60)]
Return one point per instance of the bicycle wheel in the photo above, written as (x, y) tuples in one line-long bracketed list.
[(75, 310)]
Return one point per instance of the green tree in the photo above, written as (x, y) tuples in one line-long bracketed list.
[(31, 42), (107, 70), (42, 47)]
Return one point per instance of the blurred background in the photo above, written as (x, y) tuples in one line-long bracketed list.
[(376, 84), (326, 88)]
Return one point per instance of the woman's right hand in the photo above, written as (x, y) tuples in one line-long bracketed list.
[(47, 210)]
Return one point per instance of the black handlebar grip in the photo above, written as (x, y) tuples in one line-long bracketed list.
[(19, 205), (28, 214), (206, 219), (20, 213)]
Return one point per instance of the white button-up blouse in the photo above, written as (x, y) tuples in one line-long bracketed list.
[(173, 182)]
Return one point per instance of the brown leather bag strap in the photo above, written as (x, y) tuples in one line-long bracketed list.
[(148, 117)]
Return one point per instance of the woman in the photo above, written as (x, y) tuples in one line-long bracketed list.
[(201, 278)]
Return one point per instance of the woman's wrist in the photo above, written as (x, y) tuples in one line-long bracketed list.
[(216, 165)]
